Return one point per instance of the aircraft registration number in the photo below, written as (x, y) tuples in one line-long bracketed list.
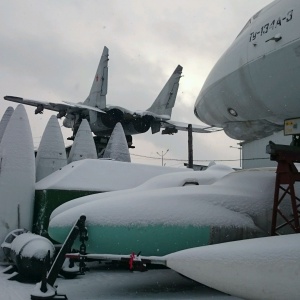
[(280, 21)]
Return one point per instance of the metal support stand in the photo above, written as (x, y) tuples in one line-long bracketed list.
[(49, 279), (286, 176), (190, 147)]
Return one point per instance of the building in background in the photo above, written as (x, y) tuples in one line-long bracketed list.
[(254, 153)]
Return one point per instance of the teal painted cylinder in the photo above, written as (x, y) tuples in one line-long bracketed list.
[(155, 240)]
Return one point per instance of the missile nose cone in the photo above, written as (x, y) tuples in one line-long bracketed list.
[(84, 145), (117, 147), (4, 121), (51, 155)]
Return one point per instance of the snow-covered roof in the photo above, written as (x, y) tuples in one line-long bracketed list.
[(101, 175)]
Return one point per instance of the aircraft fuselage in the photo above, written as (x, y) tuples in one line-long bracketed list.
[(255, 84)]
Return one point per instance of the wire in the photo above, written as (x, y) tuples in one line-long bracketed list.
[(144, 156), (202, 160)]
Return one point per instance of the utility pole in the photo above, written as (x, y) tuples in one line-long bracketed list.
[(240, 148), (190, 146), (162, 156)]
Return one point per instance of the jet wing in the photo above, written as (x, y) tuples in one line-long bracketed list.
[(83, 106), (67, 106), (36, 103), (173, 126)]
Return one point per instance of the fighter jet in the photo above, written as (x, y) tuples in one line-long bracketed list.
[(254, 86), (103, 117)]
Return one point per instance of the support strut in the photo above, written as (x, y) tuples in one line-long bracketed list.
[(50, 278), (286, 176)]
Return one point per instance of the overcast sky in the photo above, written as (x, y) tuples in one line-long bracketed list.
[(50, 51)]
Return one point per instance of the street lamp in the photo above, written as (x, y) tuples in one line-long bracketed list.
[(240, 148), (162, 156)]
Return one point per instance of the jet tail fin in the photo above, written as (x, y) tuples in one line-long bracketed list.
[(165, 101), (97, 96)]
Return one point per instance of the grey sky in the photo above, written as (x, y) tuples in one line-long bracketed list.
[(50, 51)]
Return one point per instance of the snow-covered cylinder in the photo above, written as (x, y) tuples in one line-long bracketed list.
[(164, 220), (28, 252)]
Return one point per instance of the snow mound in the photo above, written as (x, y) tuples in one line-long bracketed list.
[(208, 176), (101, 175)]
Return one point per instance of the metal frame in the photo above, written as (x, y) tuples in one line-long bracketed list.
[(286, 176)]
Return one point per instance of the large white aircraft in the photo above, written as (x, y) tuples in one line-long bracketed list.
[(103, 118), (255, 86)]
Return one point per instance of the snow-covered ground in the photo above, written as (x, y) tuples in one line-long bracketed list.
[(103, 283)]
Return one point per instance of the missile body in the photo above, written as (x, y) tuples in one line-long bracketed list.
[(263, 268), (17, 175)]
